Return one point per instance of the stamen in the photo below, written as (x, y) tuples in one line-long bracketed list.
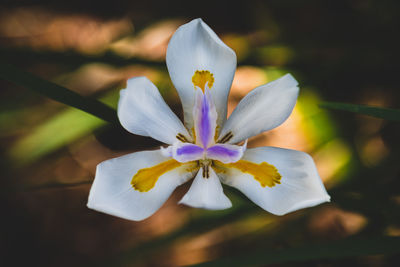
[(205, 165), (201, 78)]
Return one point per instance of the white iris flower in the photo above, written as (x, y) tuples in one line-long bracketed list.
[(205, 147)]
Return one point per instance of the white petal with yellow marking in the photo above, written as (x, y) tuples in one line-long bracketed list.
[(136, 185), (142, 111), (195, 48), (294, 181)]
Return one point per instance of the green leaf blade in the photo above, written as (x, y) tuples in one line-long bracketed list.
[(58, 93), (378, 112)]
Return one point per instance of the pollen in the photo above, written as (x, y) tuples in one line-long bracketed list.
[(146, 178), (203, 77), (266, 174)]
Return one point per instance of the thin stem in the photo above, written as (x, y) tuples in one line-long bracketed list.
[(58, 93)]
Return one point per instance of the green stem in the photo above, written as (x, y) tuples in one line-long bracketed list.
[(58, 93), (378, 112)]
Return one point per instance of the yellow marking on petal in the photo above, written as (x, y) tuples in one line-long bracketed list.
[(146, 178), (194, 135), (192, 166), (266, 174), (218, 166), (216, 133), (201, 78)]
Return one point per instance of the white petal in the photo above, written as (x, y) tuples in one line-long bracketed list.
[(112, 192), (300, 186), (195, 46), (142, 111), (206, 193), (264, 108)]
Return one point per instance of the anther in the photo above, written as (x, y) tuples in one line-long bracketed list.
[(206, 171), (205, 165)]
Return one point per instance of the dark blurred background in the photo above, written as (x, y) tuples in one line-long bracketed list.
[(345, 51)]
